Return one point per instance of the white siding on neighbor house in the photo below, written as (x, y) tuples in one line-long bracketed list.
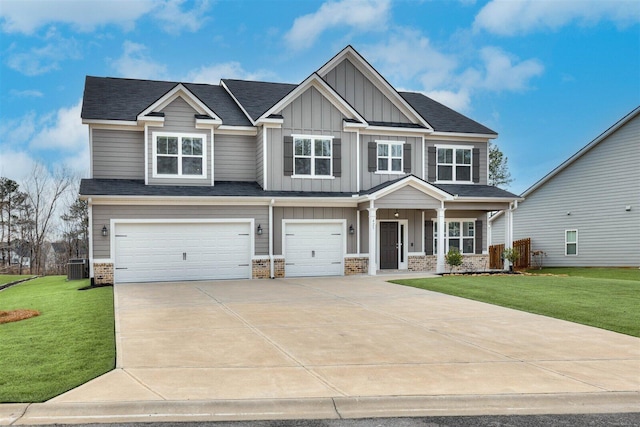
[(595, 189), (311, 114), (371, 179), (102, 214), (362, 94), (234, 158), (180, 118), (117, 154)]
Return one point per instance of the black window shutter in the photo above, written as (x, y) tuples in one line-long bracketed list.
[(428, 237), (337, 156), (288, 155), (478, 237), (431, 164), (407, 158), (373, 156), (476, 165)]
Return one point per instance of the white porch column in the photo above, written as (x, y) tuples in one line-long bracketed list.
[(373, 265), (508, 233), (440, 264)]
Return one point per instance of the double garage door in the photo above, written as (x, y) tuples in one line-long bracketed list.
[(158, 252)]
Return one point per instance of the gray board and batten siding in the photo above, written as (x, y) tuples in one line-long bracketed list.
[(589, 195), (311, 114), (260, 156), (234, 157), (102, 214), (179, 117), (362, 94), (312, 213), (117, 154)]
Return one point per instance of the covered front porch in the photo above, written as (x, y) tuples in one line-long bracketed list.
[(410, 225)]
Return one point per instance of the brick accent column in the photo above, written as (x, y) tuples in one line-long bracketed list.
[(103, 273)]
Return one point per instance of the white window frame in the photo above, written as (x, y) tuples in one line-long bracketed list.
[(454, 164), (313, 156), (567, 242), (459, 238), (389, 158), (179, 156)]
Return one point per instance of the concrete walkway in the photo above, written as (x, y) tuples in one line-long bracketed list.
[(339, 347)]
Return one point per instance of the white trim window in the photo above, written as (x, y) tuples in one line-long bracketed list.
[(571, 242), (460, 235), (454, 164), (179, 155), (312, 155), (389, 156)]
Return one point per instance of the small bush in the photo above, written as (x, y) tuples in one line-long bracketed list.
[(453, 258)]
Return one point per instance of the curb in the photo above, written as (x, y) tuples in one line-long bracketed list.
[(319, 408)]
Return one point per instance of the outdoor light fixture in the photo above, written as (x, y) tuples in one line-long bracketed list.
[(259, 230), (397, 214), (351, 230), (105, 232)]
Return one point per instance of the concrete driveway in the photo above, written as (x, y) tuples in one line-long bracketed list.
[(353, 346)]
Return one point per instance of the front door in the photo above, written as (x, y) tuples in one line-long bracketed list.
[(388, 245)]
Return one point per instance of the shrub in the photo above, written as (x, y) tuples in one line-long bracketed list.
[(511, 255), (453, 258)]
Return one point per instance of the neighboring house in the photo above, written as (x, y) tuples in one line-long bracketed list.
[(340, 174), (586, 212)]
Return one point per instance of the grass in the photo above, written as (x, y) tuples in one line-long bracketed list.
[(8, 278), (71, 342), (604, 298)]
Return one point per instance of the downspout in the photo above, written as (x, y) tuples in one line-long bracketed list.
[(271, 260), (90, 215)]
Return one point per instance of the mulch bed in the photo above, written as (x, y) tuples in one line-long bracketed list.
[(16, 315)]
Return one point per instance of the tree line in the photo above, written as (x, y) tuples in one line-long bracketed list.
[(43, 224)]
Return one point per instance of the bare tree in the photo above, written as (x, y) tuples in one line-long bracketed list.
[(44, 190)]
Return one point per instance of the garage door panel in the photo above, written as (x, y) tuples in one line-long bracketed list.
[(183, 251), (314, 249)]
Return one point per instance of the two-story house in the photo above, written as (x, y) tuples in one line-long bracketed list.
[(340, 174)]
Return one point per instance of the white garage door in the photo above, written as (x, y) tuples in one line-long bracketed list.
[(313, 249), (174, 252)]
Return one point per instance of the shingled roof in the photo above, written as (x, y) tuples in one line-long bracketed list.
[(257, 97)]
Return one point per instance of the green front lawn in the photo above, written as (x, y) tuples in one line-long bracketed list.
[(606, 299), (71, 342), (8, 278)]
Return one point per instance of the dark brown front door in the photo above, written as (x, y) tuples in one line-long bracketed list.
[(388, 245)]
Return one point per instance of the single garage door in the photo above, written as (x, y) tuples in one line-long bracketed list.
[(182, 251), (314, 249)]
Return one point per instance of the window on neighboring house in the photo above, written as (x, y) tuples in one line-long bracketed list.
[(389, 156), (454, 164), (179, 155), (312, 155), (460, 235), (571, 242)]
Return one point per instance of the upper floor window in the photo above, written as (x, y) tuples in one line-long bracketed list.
[(389, 156), (571, 242), (454, 164), (312, 155), (180, 155)]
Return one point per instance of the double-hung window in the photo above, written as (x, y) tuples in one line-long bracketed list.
[(180, 155), (454, 164), (460, 235), (389, 156), (312, 155), (571, 242)]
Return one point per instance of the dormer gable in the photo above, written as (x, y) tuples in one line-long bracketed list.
[(203, 114)]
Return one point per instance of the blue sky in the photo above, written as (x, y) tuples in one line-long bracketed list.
[(548, 76)]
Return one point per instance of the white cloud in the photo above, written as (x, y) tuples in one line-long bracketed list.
[(228, 70), (27, 93), (20, 16), (57, 139), (174, 19), (135, 63), (46, 58), (354, 14), (459, 101), (507, 18), (503, 72)]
